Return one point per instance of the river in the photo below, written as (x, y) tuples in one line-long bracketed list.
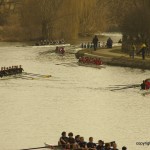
[(75, 99)]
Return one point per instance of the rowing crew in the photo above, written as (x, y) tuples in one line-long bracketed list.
[(146, 84), (78, 143), (60, 50), (50, 42), (7, 71), (89, 60)]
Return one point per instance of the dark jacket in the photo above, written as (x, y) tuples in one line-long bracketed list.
[(95, 40)]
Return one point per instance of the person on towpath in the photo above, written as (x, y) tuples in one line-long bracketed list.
[(95, 42)]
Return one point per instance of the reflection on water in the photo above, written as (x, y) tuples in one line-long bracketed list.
[(75, 98)]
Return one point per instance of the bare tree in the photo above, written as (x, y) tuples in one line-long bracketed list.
[(43, 15)]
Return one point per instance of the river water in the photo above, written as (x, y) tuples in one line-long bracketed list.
[(75, 99)]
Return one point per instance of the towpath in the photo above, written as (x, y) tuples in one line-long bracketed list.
[(114, 52)]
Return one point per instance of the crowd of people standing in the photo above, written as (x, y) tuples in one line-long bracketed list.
[(97, 44), (79, 143), (143, 50)]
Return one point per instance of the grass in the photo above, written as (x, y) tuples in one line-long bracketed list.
[(117, 50)]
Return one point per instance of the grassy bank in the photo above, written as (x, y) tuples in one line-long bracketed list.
[(132, 63), (115, 57)]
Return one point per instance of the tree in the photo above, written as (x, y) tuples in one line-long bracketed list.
[(42, 17)]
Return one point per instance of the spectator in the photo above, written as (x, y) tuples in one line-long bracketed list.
[(95, 42), (109, 43), (143, 51), (133, 50)]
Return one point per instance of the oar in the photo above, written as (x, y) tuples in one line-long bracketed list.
[(39, 75), (125, 85), (61, 63), (46, 146), (53, 146), (35, 148), (121, 88), (27, 78), (43, 76), (24, 77)]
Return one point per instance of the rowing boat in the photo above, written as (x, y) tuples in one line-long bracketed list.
[(11, 77), (129, 86), (60, 50), (25, 75), (91, 65), (51, 46)]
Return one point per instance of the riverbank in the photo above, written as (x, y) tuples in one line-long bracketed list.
[(115, 57)]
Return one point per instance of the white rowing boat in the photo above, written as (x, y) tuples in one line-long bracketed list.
[(51, 46)]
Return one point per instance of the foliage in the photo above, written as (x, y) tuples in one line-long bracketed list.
[(55, 19)]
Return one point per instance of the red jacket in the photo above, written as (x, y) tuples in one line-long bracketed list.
[(147, 84)]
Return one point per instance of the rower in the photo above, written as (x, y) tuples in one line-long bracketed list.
[(82, 143), (124, 148), (7, 71), (80, 59), (20, 69), (147, 84), (114, 145), (13, 70), (77, 139), (107, 146), (63, 141), (71, 141), (1, 72), (57, 49), (100, 145), (143, 86), (62, 51), (62, 41), (16, 70), (90, 144)]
